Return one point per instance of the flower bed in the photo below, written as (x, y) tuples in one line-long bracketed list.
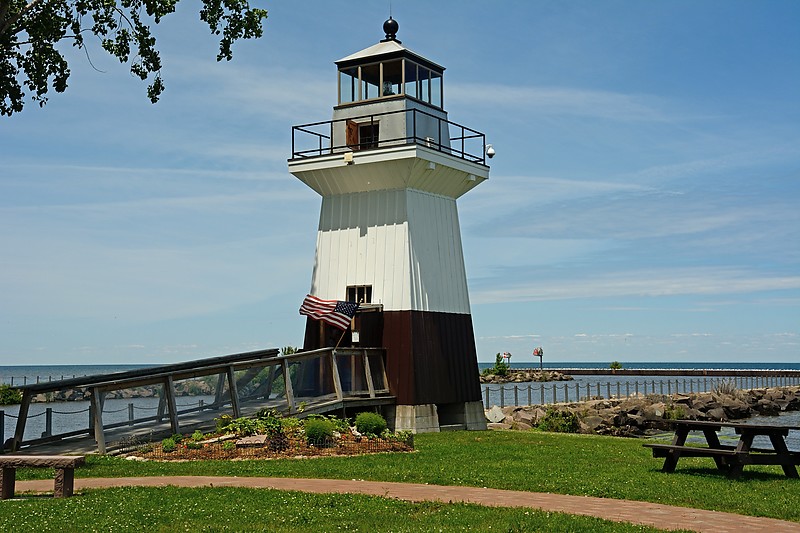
[(270, 437)]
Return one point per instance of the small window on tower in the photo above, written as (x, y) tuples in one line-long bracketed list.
[(359, 293)]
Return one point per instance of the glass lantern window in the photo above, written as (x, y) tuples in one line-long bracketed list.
[(370, 81), (411, 80), (392, 77), (348, 85)]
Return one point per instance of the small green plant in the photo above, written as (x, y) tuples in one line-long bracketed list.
[(558, 421), (222, 422), (615, 365), (168, 445), (197, 436), (370, 424), (318, 431), (674, 412), (500, 367), (229, 445), (194, 445), (9, 396)]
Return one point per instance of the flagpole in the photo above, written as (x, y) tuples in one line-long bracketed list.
[(342, 337)]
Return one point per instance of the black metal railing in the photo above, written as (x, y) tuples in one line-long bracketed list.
[(320, 138)]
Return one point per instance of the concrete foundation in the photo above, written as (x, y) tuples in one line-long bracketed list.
[(429, 418)]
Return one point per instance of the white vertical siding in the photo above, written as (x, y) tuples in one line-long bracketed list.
[(406, 244)]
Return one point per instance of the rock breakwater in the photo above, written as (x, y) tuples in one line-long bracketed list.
[(639, 416), (524, 376)]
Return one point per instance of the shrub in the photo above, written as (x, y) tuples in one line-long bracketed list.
[(168, 445), (193, 445), (558, 421), (674, 412), (370, 424), (197, 436), (9, 396), (318, 431), (228, 445)]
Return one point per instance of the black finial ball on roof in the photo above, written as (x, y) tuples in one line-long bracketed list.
[(390, 27)]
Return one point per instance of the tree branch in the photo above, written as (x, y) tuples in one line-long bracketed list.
[(13, 20)]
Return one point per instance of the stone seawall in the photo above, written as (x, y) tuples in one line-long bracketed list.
[(638, 416)]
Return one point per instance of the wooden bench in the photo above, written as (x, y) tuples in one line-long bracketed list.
[(64, 465)]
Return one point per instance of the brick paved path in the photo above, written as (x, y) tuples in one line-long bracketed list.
[(652, 514)]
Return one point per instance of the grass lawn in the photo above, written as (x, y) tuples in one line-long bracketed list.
[(172, 509), (533, 461)]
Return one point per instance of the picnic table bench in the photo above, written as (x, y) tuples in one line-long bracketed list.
[(730, 459), (64, 465)]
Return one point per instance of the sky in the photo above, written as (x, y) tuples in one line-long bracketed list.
[(642, 205)]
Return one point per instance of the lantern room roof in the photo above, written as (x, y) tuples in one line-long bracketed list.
[(389, 48)]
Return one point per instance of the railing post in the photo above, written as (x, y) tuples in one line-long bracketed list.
[(97, 422), (636, 387), (368, 374), (502, 396), (234, 393), (337, 380), (618, 395), (530, 401), (541, 394), (287, 385), (130, 413), (2, 427), (22, 418), (555, 400), (566, 393), (486, 403), (48, 422), (516, 396)]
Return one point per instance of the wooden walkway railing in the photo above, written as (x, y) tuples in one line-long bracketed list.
[(298, 384)]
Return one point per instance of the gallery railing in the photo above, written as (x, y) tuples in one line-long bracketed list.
[(328, 137)]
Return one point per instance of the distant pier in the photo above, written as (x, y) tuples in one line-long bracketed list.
[(672, 372)]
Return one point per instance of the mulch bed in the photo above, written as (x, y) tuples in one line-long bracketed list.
[(293, 448)]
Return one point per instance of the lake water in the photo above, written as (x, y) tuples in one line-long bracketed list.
[(68, 416)]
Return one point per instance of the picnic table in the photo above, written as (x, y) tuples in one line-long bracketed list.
[(730, 459)]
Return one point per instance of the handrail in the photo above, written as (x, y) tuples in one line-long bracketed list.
[(455, 146), (168, 408)]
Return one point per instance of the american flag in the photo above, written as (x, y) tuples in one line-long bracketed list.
[(333, 312)]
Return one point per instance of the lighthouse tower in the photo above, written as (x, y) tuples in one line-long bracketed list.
[(389, 168)]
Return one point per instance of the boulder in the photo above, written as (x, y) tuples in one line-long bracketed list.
[(498, 425), (495, 414)]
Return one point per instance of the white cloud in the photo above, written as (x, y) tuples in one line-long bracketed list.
[(561, 101), (666, 282)]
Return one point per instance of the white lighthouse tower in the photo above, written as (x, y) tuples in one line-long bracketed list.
[(389, 168)]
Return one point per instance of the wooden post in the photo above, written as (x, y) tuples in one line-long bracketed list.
[(169, 395), (337, 380), (97, 410), (368, 374), (233, 391), (287, 385), (22, 418)]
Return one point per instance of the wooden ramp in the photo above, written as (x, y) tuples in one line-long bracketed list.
[(299, 384)]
